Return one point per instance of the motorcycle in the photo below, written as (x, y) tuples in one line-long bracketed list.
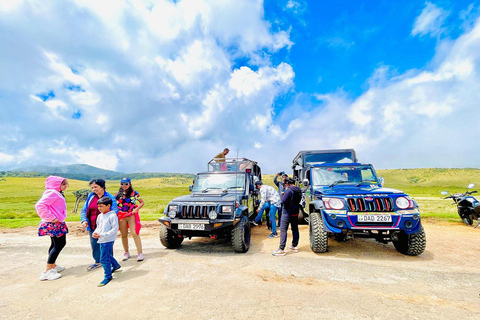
[(468, 207)]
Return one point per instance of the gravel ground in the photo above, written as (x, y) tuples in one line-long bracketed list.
[(205, 279)]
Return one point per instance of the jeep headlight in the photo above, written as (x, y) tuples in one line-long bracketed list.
[(402, 203), (227, 209), (212, 215), (172, 211), (333, 203)]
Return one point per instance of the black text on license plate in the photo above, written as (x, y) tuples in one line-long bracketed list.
[(374, 218), (191, 226)]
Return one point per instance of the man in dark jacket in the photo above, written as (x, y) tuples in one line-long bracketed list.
[(291, 206)]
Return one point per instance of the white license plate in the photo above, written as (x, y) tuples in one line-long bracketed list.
[(191, 226), (374, 218)]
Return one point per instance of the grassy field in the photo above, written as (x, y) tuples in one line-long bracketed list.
[(19, 195)]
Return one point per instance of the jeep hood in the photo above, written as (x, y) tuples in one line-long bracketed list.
[(208, 197), (340, 190)]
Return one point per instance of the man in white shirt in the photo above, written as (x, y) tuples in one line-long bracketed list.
[(270, 199)]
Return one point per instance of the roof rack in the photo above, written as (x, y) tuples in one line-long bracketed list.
[(232, 164)]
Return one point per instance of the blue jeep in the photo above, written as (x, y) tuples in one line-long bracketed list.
[(345, 199)]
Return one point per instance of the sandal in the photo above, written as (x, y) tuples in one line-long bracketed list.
[(93, 267)]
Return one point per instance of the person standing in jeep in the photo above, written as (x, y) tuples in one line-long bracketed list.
[(291, 206)]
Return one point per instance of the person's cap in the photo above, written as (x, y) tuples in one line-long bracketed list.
[(125, 180), (258, 183)]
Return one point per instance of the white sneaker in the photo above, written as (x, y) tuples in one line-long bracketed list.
[(140, 257), (51, 274), (59, 268), (126, 256)]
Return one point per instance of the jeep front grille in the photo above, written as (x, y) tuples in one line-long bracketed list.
[(196, 211), (370, 204)]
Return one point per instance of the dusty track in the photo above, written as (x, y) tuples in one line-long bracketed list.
[(359, 279)]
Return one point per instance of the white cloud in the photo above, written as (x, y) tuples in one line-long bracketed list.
[(430, 21), (158, 86)]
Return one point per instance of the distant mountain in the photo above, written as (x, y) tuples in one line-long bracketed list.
[(73, 169), (85, 172)]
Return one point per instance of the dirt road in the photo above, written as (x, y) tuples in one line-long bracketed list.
[(359, 279)]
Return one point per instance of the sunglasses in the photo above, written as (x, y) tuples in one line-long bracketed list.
[(124, 184)]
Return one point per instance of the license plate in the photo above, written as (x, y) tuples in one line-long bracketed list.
[(191, 226), (374, 218)]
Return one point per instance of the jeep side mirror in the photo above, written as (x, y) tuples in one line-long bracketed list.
[(381, 180), (190, 188), (305, 182), (471, 185)]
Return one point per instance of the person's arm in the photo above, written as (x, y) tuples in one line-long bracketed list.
[(114, 202), (276, 181), (83, 213), (140, 203), (42, 206), (263, 194), (286, 196)]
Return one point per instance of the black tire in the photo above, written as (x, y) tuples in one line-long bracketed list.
[(466, 217), (169, 239), (411, 244), (318, 236), (241, 235)]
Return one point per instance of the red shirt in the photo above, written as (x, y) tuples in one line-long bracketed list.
[(92, 212)]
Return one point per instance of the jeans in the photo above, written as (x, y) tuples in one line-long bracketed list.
[(273, 212), (293, 220), (95, 247), (107, 260)]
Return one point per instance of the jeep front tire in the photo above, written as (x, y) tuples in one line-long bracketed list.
[(241, 235), (170, 239), (411, 244), (318, 236)]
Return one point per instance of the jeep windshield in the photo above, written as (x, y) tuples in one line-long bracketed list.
[(335, 175), (219, 182)]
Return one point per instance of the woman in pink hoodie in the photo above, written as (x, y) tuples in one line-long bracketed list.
[(52, 208)]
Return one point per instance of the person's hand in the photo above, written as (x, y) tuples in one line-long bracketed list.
[(55, 220), (258, 210), (135, 210), (96, 235), (84, 224)]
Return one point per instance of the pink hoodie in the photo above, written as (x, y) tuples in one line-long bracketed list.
[(52, 204)]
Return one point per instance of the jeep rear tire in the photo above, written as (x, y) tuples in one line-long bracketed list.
[(241, 235), (411, 244), (170, 239), (318, 236)]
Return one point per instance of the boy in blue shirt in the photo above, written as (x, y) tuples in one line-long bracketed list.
[(106, 233)]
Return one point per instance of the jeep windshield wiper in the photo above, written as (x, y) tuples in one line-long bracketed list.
[(366, 181), (338, 182), (232, 187), (209, 188)]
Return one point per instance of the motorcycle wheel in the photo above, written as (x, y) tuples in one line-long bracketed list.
[(466, 217), (468, 220)]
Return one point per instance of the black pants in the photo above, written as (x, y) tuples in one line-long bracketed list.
[(57, 245), (285, 220)]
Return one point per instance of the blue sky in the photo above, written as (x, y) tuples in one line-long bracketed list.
[(165, 85)]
